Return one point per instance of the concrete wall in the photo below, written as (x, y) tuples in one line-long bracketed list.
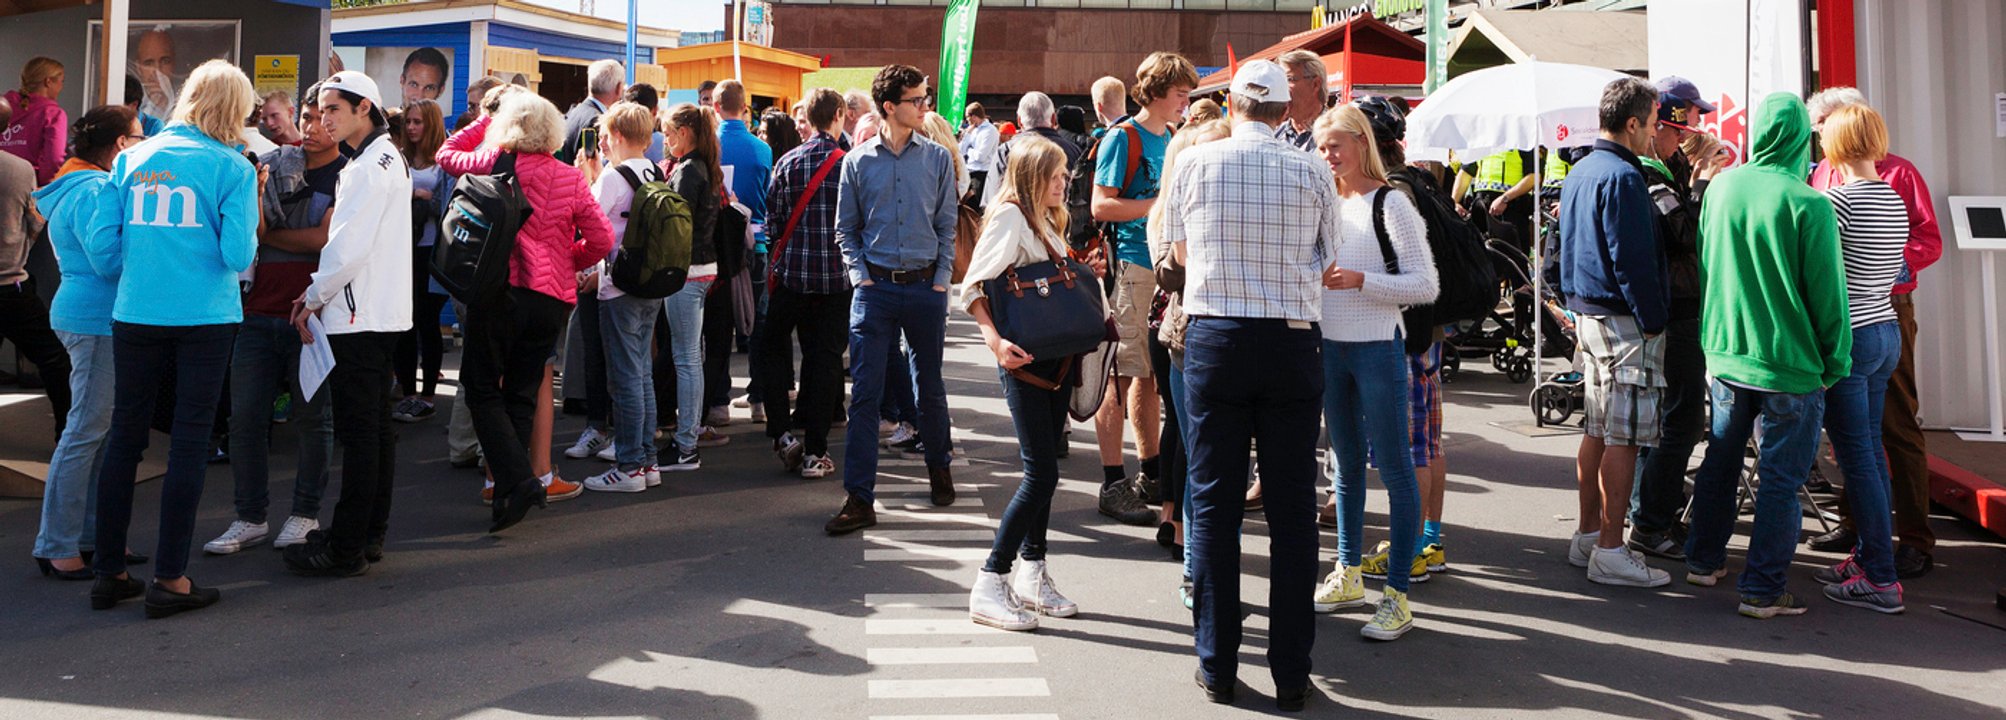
[(1933, 69), (269, 28)]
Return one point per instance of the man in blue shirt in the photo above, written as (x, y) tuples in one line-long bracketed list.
[(748, 161), (895, 218)]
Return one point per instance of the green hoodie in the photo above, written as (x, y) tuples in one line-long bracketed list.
[(1773, 281)]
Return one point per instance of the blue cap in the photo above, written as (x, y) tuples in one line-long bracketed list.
[(1684, 91)]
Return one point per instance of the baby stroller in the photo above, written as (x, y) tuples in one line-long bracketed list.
[(1506, 335), (1555, 400)]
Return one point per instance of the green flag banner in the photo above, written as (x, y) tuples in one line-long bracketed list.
[(957, 49), (1437, 18)]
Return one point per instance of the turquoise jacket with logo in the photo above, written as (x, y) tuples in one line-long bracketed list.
[(180, 223)]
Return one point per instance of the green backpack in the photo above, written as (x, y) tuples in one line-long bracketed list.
[(654, 258)]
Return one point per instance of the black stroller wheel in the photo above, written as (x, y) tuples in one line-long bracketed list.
[(1551, 405), (1518, 369)]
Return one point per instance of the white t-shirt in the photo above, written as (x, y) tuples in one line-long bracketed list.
[(614, 195)]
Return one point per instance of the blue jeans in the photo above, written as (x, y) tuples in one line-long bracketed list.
[(1789, 439), (266, 358), (1248, 381), (1853, 411), (69, 499), (1660, 489), (1038, 414), (898, 405), (685, 313), (627, 324), (1365, 401), (200, 355), (878, 314)]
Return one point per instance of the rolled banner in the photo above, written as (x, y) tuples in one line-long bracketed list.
[(957, 50)]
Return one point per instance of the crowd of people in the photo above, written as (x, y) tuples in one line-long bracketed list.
[(1252, 263)]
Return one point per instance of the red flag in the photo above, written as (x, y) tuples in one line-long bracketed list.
[(1232, 62)]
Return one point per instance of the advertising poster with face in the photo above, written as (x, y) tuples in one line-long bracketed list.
[(161, 53), (406, 73)]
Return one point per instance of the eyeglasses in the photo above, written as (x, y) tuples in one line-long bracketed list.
[(922, 100), (135, 137)]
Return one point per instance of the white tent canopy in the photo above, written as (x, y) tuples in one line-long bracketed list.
[(1522, 106)]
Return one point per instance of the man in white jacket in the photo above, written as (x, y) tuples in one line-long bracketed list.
[(362, 295)]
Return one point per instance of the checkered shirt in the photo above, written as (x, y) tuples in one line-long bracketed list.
[(811, 263), (1259, 222)]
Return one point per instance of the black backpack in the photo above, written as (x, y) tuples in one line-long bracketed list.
[(1469, 283), (1083, 232), (477, 236), (654, 259)]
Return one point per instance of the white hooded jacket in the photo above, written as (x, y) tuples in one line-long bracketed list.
[(364, 280)]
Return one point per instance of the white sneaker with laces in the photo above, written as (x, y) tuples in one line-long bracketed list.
[(295, 530), (1624, 567), (991, 603), (616, 480), (1579, 548), (901, 435), (589, 442), (885, 427), (816, 467), (609, 453), (240, 535), (653, 474), (1033, 586)]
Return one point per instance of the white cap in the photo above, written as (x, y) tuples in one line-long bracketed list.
[(1261, 81), (357, 83)]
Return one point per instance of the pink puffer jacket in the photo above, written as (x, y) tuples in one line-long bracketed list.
[(566, 232)]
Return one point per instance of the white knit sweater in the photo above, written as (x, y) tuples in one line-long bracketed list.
[(1372, 313)]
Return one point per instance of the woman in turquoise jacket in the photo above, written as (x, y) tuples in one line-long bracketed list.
[(184, 210), (81, 317)]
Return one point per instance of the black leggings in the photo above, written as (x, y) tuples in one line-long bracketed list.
[(422, 345), (1170, 450)]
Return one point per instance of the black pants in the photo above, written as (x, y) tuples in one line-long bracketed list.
[(977, 179), (1170, 463), (720, 329), (822, 321), (422, 346), (598, 395), (25, 320), (500, 372), (664, 370), (361, 402), (200, 356)]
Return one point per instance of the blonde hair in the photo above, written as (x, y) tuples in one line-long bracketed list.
[(1352, 121), (631, 121), (940, 132), (1108, 92), (216, 100), (1032, 164), (1203, 111), (1159, 74), (491, 102), (1196, 132), (1854, 133), (527, 123), (38, 71)]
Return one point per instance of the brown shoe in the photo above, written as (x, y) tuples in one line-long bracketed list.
[(943, 485), (856, 514), (1326, 516)]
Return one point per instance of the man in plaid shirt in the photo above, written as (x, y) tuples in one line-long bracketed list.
[(809, 294)]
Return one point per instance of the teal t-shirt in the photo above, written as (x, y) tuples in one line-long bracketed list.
[(1131, 237)]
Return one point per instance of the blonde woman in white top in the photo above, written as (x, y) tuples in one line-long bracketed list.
[(1025, 225), (1365, 360)]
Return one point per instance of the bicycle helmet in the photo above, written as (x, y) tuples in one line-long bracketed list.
[(1389, 121)]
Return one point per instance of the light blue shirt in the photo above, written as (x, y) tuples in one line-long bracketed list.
[(83, 302), (897, 210), (182, 213)]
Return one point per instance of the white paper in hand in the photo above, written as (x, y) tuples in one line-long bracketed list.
[(316, 358)]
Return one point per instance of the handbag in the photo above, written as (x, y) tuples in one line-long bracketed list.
[(1051, 308)]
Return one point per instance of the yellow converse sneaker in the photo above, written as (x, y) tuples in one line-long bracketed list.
[(1436, 557), (1374, 565), (1341, 589), (1392, 620)]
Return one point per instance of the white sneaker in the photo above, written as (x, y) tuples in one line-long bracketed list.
[(759, 412), (1579, 548), (240, 535), (616, 480), (653, 474), (991, 603), (589, 442), (902, 435), (1624, 567), (609, 453), (295, 530), (1033, 586), (816, 467), (885, 427)]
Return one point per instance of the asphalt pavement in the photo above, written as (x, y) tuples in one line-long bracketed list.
[(717, 595)]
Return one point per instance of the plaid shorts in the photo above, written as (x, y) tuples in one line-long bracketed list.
[(1424, 403), (1625, 375)]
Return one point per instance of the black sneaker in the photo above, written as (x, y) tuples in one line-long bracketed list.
[(1119, 501), (1911, 562), (685, 460), (1148, 488), (1220, 693), (316, 557), (1842, 539), (1670, 544), (373, 552), (162, 603)]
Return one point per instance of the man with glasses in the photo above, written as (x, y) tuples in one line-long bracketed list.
[(895, 217), (1308, 91)]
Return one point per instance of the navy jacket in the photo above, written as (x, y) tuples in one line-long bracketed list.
[(1612, 261)]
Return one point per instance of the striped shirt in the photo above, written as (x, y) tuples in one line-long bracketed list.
[(1873, 229), (1260, 219)]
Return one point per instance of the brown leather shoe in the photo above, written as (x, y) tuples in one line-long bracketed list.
[(856, 514), (943, 485), (1326, 516)]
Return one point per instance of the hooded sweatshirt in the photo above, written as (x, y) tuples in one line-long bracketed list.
[(1774, 310), (39, 133), (70, 202), (184, 210)]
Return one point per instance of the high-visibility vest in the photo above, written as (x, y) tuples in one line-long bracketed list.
[(1554, 171), (1498, 172)]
